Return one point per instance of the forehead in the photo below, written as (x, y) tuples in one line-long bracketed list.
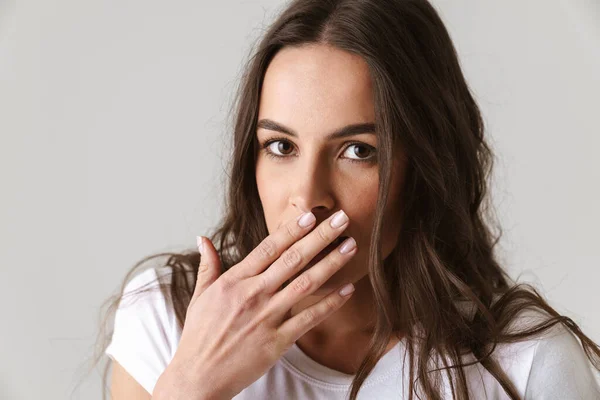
[(317, 86)]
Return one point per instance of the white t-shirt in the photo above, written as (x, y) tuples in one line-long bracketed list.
[(146, 335)]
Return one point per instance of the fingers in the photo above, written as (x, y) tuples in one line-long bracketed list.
[(209, 268), (310, 280), (302, 252), (273, 245), (293, 328)]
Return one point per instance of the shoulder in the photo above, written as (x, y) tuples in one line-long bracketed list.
[(548, 365), (149, 278), (554, 355), (560, 368), (145, 334), (146, 292)]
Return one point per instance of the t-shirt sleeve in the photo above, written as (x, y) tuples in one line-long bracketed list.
[(561, 370), (142, 340)]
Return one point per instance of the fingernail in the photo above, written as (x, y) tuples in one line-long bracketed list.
[(339, 219), (346, 290), (199, 243), (348, 245), (306, 219)]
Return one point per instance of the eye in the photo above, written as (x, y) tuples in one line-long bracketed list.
[(362, 150), (281, 148)]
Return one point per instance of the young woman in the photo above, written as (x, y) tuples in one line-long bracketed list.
[(359, 164)]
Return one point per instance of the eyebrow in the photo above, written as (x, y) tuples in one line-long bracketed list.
[(349, 130)]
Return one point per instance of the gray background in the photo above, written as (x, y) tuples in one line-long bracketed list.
[(113, 123)]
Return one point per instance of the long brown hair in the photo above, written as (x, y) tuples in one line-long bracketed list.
[(445, 252)]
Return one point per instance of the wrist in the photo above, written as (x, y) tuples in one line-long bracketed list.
[(176, 383)]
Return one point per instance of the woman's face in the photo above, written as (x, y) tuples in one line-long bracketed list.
[(312, 92)]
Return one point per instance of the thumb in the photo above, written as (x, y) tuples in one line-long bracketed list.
[(210, 265)]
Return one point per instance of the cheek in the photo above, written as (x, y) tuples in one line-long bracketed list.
[(362, 199), (271, 194), (264, 181)]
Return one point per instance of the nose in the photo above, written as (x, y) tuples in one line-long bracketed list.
[(312, 192)]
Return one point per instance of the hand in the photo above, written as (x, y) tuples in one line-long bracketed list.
[(236, 326)]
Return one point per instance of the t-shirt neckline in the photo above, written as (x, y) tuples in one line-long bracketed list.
[(301, 365)]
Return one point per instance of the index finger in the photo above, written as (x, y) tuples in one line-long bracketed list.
[(271, 247)]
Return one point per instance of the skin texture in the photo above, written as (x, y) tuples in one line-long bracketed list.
[(315, 90)]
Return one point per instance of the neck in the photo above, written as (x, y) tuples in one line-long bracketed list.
[(354, 319), (341, 341)]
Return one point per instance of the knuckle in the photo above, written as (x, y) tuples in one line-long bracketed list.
[(202, 267), (270, 344), (324, 234), (267, 249), (221, 292), (331, 304), (261, 284), (309, 317), (225, 284), (291, 232), (281, 343), (302, 284), (246, 301), (291, 257), (331, 261)]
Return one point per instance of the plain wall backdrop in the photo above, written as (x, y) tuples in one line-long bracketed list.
[(114, 138)]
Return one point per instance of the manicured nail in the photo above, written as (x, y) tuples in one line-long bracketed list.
[(348, 245), (199, 243), (346, 290), (339, 219), (306, 219)]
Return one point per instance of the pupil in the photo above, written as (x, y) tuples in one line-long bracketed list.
[(357, 152), (281, 145)]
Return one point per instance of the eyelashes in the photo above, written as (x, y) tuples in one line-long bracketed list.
[(372, 158)]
